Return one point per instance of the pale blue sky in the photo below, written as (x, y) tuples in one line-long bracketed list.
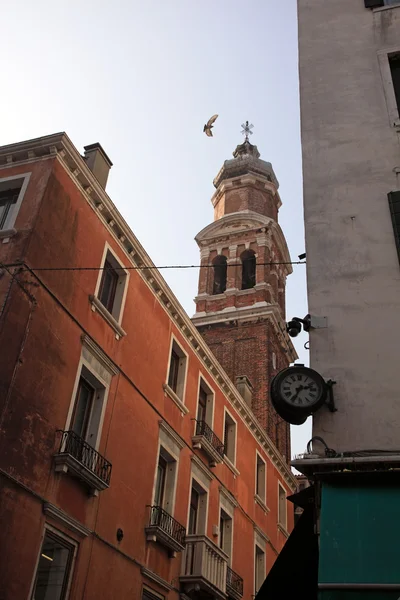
[(142, 78)]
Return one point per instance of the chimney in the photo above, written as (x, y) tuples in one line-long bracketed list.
[(244, 388), (98, 162)]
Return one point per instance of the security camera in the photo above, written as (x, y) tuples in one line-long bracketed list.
[(294, 327)]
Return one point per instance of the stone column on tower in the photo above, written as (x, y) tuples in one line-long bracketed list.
[(240, 306)]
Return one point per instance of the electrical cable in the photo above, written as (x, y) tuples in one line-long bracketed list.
[(149, 267)]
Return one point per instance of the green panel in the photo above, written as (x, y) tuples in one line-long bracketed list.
[(360, 534), (358, 595)]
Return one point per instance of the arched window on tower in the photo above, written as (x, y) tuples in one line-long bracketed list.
[(248, 269), (220, 268)]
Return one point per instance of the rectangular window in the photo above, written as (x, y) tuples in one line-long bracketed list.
[(88, 407), (394, 62), (54, 568), (282, 514), (83, 408), (202, 405), (108, 286), (259, 568), (225, 533), (160, 481), (394, 206), (12, 190), (230, 438), (260, 478), (166, 473), (177, 370), (151, 595), (197, 510), (112, 285), (193, 511)]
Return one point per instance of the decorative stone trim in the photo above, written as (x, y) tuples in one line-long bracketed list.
[(283, 530), (97, 305), (99, 354), (53, 512), (171, 394), (231, 466), (261, 503), (176, 439), (156, 578), (260, 537), (227, 499), (200, 470)]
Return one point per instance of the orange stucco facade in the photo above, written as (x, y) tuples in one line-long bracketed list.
[(48, 321)]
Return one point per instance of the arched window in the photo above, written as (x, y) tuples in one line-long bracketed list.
[(248, 269), (220, 267)]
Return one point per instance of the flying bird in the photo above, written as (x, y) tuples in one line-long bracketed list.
[(209, 125)]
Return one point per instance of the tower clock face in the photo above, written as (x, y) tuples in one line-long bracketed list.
[(297, 392), (300, 389)]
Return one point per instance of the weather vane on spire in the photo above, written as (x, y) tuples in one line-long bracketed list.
[(246, 131)]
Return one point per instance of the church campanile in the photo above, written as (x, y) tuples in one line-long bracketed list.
[(240, 306)]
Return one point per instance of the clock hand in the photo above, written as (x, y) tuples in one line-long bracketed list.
[(298, 390)]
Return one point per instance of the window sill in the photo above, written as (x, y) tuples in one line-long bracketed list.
[(97, 305), (171, 394), (6, 234), (388, 7), (261, 503), (283, 530), (231, 466)]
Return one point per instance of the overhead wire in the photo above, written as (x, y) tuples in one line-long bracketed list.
[(149, 267)]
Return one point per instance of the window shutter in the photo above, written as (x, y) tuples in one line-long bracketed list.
[(394, 205), (373, 3)]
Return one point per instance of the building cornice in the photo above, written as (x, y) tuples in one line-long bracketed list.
[(60, 146)]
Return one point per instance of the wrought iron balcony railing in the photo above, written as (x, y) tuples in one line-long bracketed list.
[(75, 446), (234, 583), (160, 518), (205, 430)]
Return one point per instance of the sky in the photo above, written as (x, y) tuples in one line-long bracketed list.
[(141, 78)]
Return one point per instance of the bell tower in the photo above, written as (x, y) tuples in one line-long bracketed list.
[(240, 306)]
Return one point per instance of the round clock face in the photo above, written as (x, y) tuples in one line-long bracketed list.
[(300, 389), (297, 392)]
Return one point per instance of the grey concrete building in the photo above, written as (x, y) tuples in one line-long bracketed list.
[(350, 97)]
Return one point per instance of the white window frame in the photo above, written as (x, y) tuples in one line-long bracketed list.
[(384, 65), (98, 374), (178, 398), (228, 509), (8, 228), (226, 457), (170, 445), (73, 543), (202, 524), (151, 593), (114, 318), (282, 525), (210, 401), (263, 495), (259, 576)]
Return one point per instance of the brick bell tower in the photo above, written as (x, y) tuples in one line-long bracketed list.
[(240, 306)]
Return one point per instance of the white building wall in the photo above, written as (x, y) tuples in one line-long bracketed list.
[(351, 149)]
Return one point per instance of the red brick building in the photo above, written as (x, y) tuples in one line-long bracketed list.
[(240, 307), (130, 464)]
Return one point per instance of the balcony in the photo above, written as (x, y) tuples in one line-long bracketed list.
[(204, 568), (234, 584), (79, 458), (206, 440), (166, 530)]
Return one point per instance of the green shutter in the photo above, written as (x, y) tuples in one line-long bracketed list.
[(394, 205)]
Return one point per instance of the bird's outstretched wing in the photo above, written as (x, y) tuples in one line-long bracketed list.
[(208, 132), (212, 120)]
